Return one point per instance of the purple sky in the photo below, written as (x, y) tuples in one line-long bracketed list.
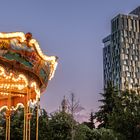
[(73, 30)]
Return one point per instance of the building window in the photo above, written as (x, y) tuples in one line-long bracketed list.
[(131, 80), (128, 74), (126, 56), (125, 62), (127, 51), (136, 58), (126, 68)]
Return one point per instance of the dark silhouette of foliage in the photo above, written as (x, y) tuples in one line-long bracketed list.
[(90, 124), (17, 124), (125, 117), (60, 126), (107, 105)]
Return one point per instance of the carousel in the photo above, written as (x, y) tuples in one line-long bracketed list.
[(24, 75)]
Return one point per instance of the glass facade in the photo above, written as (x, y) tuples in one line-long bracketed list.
[(121, 52)]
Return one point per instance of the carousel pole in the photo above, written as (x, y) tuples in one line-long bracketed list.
[(27, 124), (6, 129), (37, 119), (24, 131), (8, 118), (9, 128), (8, 113), (29, 127), (29, 116)]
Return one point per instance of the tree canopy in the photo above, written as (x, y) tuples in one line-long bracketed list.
[(119, 118)]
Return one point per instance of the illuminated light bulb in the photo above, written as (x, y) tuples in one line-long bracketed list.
[(53, 71), (52, 59), (3, 107), (11, 35), (33, 42)]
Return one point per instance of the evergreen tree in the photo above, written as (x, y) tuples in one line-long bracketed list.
[(2, 124), (107, 107), (125, 117), (90, 124), (17, 124), (43, 133), (43, 125)]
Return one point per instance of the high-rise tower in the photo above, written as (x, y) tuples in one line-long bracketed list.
[(121, 52)]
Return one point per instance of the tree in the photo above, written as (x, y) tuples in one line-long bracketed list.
[(73, 107), (17, 124), (83, 132), (2, 124), (91, 121), (107, 134), (60, 126), (90, 124), (125, 117), (43, 132), (107, 107), (43, 125)]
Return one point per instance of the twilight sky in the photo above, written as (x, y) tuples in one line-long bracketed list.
[(73, 30)]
